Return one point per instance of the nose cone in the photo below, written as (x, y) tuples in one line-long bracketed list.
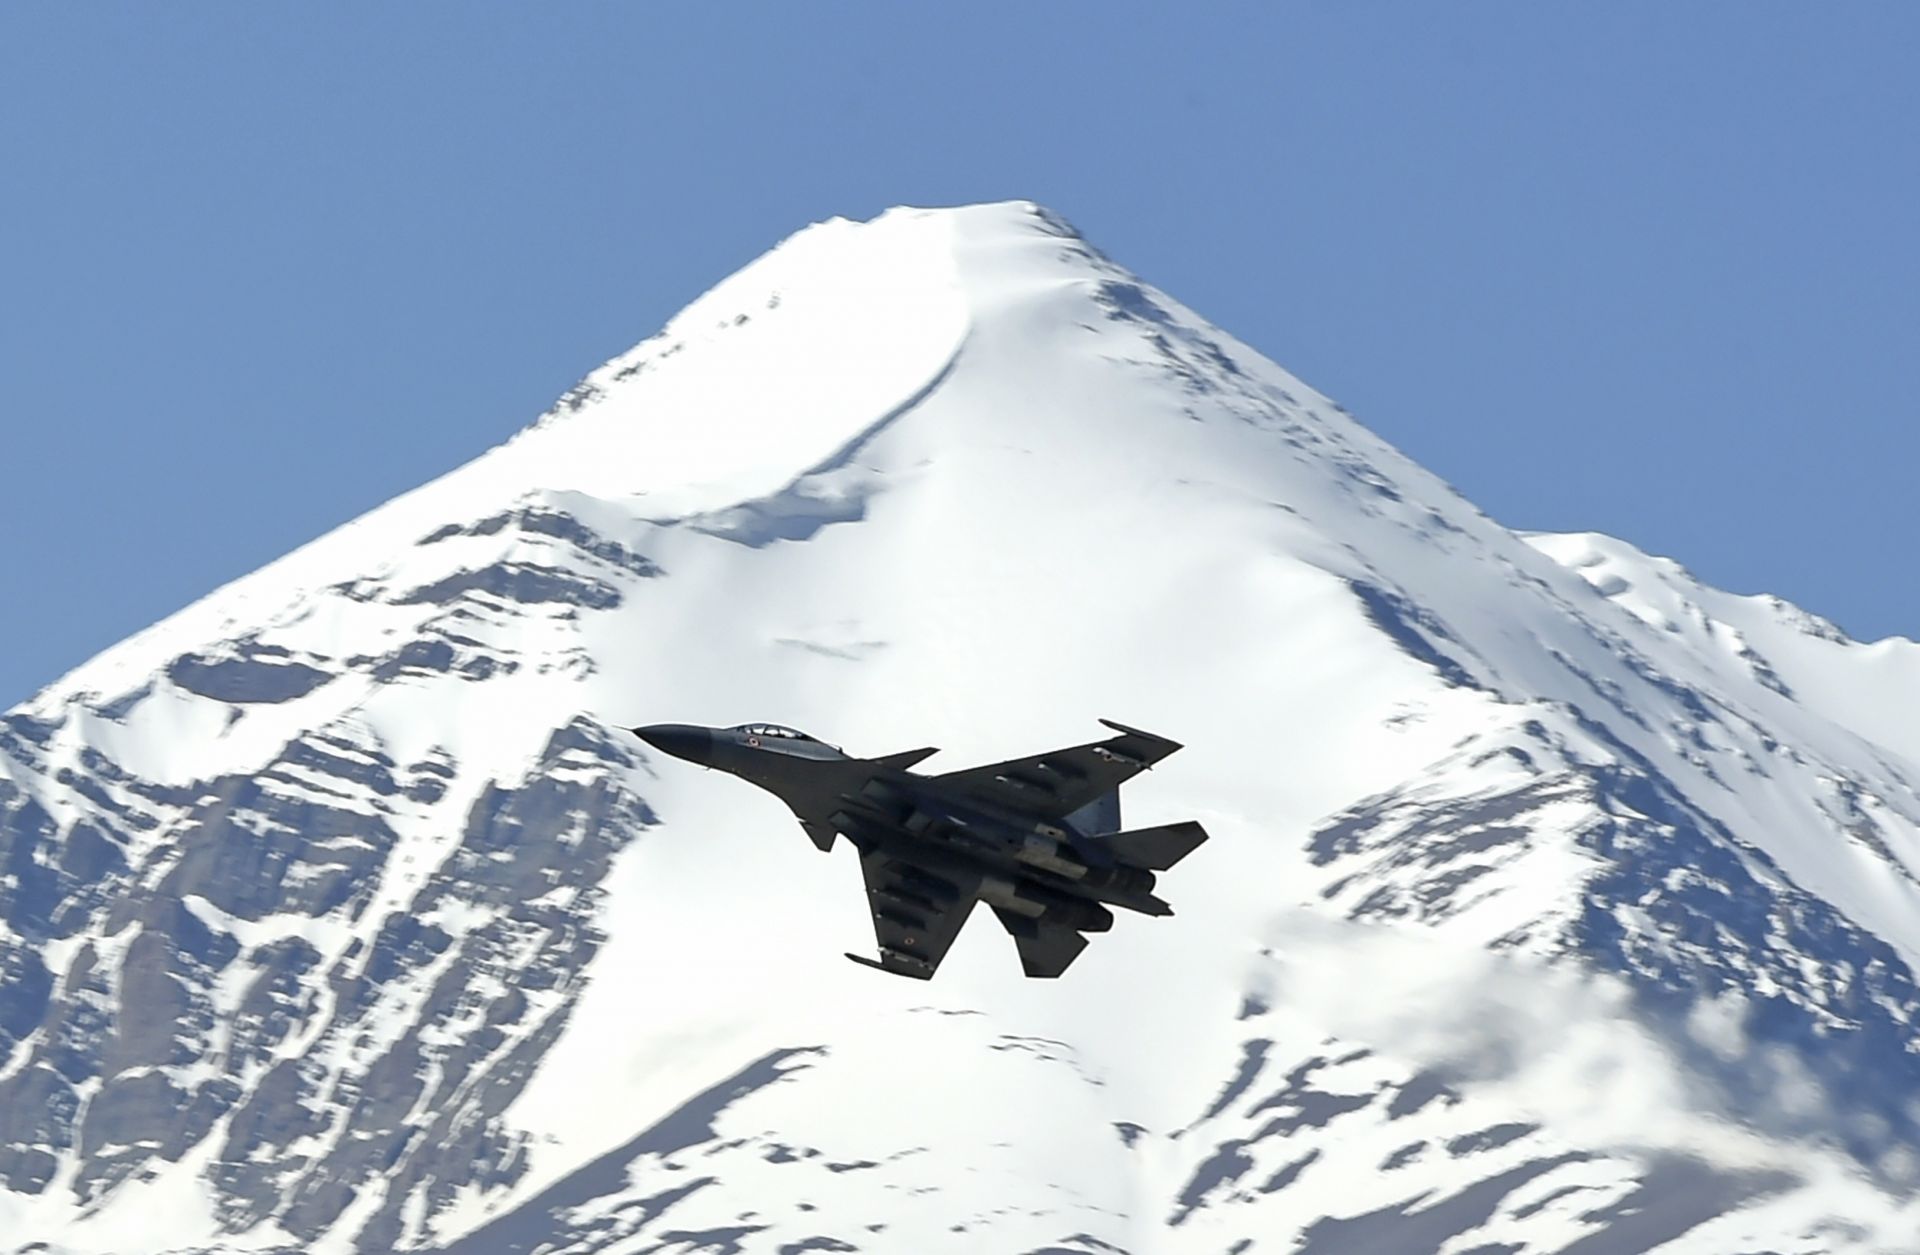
[(681, 740)]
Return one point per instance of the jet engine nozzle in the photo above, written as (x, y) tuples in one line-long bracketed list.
[(680, 740)]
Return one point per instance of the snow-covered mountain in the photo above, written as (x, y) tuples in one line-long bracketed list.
[(1556, 902)]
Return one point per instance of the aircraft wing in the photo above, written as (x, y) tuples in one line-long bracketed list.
[(1055, 784), (916, 914)]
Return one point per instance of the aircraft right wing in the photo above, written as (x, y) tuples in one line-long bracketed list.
[(916, 914), (1055, 784)]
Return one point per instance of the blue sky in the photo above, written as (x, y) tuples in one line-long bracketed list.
[(1646, 269)]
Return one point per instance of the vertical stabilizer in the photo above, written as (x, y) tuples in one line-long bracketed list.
[(1101, 815)]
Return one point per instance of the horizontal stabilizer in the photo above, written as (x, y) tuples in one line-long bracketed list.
[(906, 758), (1155, 849), (1046, 948)]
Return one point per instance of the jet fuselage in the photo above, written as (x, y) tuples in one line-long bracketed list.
[(1016, 836)]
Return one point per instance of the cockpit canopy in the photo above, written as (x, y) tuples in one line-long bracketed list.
[(776, 731)]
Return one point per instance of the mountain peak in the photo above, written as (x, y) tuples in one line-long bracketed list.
[(340, 913), (893, 266)]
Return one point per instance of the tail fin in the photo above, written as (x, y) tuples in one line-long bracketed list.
[(1155, 849), (1100, 815)]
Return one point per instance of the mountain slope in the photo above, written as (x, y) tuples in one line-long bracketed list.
[(339, 914)]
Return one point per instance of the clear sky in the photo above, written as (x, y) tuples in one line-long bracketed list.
[(1650, 269)]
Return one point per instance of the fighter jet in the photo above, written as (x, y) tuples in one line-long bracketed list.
[(1037, 839)]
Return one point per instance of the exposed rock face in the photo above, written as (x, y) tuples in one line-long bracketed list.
[(1676, 905), (481, 962), (252, 673)]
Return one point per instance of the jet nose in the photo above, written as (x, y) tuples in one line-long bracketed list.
[(681, 740)]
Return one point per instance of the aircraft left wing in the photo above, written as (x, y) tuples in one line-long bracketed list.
[(916, 914), (1056, 784)]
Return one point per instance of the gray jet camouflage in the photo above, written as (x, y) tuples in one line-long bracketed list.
[(1037, 839)]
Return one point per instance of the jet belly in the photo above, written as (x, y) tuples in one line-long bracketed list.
[(998, 880), (1033, 856), (1034, 901), (1050, 850)]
